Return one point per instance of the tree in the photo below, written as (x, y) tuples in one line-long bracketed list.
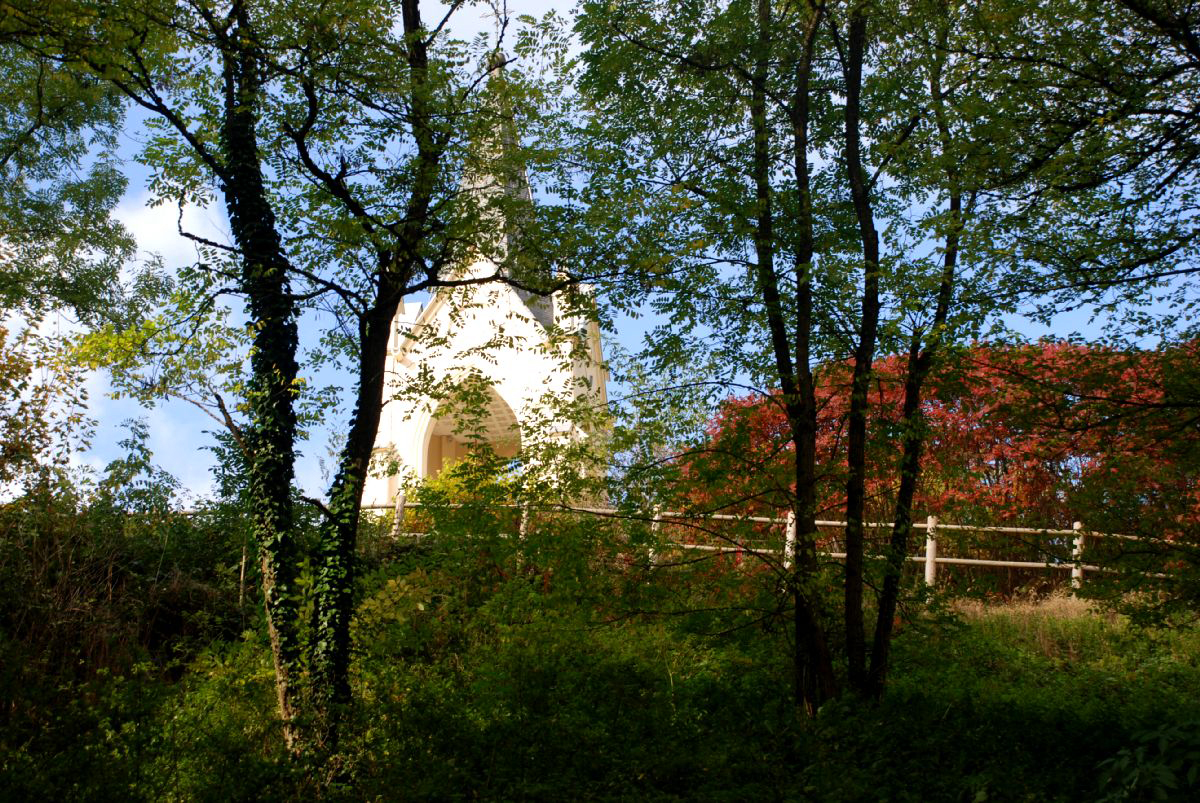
[(60, 247), (724, 81), (1018, 434), (43, 412), (1114, 91), (759, 78), (827, 181), (338, 145), (1110, 88)]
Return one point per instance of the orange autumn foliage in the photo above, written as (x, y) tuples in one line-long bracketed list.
[(1037, 435)]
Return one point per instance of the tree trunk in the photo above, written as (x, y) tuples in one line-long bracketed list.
[(338, 537), (816, 683), (864, 355), (333, 580), (912, 425), (919, 362), (272, 387), (813, 668)]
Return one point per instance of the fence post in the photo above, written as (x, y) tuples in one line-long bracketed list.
[(1077, 556), (398, 515), (242, 579), (655, 532), (789, 539), (523, 527), (930, 550)]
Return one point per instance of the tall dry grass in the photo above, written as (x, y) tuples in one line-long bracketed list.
[(1060, 625)]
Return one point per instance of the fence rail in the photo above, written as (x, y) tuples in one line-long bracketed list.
[(931, 560)]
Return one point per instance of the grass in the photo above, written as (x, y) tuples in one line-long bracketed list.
[(1030, 700), (1060, 627)]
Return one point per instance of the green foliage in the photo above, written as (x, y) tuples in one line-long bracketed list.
[(1026, 705), (94, 586), (59, 245), (512, 668), (43, 410), (105, 600), (1162, 764)]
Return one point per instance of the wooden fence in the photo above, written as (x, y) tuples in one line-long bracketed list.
[(1077, 537)]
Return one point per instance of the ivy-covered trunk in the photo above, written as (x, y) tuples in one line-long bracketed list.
[(271, 390), (334, 563), (333, 580)]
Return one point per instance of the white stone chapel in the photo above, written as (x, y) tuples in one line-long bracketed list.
[(499, 336), (524, 350)]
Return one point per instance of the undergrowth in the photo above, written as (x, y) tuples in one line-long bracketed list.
[(571, 669)]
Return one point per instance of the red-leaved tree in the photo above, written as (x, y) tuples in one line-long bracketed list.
[(1037, 435)]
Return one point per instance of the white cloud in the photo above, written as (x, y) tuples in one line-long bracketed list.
[(156, 228)]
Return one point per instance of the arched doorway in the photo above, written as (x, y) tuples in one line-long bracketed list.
[(452, 436)]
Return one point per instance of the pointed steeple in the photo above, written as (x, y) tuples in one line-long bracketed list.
[(499, 182), (495, 150)]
